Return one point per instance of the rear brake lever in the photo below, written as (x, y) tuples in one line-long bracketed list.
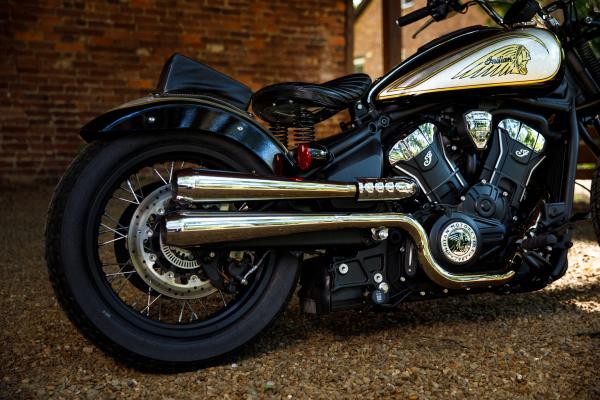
[(422, 28)]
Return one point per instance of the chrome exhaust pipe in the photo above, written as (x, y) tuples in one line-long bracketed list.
[(199, 228), (199, 185)]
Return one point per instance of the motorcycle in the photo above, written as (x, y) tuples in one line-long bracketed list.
[(183, 227)]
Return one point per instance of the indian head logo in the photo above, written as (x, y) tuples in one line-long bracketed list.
[(506, 60)]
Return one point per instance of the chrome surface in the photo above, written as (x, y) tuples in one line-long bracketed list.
[(479, 127), (458, 242), (523, 134), (413, 144), (343, 269), (198, 228), (380, 234), (163, 280), (214, 186), (385, 189)]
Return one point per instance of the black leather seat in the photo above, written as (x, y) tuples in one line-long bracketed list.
[(295, 102), (184, 76)]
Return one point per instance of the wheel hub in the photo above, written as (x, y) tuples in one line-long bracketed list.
[(171, 271)]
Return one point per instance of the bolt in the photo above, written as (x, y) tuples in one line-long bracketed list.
[(151, 119), (343, 269), (548, 248), (462, 198), (212, 254), (505, 194), (402, 279), (240, 128), (359, 106), (161, 211), (384, 287), (149, 233), (422, 293), (445, 290), (515, 218), (152, 257), (380, 233), (378, 278), (454, 148), (483, 181)]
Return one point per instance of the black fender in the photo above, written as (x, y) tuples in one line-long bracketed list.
[(202, 115)]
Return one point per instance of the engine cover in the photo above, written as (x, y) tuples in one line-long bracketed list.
[(421, 156), (516, 151), (460, 240)]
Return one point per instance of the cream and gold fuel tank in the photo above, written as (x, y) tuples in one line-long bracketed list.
[(473, 59)]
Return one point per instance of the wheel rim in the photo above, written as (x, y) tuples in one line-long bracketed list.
[(152, 307)]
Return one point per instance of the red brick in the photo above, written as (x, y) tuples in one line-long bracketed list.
[(68, 62)]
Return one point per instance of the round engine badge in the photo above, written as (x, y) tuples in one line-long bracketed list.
[(459, 242)]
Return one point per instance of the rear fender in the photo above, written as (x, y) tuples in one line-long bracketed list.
[(202, 115)]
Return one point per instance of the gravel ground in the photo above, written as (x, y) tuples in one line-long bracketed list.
[(541, 345)]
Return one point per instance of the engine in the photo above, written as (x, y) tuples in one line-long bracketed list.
[(473, 220), (470, 207)]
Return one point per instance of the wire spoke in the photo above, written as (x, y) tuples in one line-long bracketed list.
[(133, 192), (151, 302), (181, 313), (107, 215), (194, 315), (125, 200), (113, 247), (169, 171), (159, 175), (115, 230), (137, 178), (223, 298), (112, 240), (120, 273)]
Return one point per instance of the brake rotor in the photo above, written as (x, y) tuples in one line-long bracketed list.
[(171, 271)]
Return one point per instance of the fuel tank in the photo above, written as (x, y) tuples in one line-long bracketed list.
[(476, 60)]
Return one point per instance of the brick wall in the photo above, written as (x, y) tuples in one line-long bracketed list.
[(368, 32), (368, 37), (409, 45), (65, 61)]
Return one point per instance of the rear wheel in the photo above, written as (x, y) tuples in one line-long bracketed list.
[(140, 300)]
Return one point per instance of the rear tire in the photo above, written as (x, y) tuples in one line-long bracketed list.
[(100, 316)]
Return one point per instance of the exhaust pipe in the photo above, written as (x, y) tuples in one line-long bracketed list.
[(199, 228), (200, 185)]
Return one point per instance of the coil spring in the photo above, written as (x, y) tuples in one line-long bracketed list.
[(304, 130), (301, 131), (281, 133)]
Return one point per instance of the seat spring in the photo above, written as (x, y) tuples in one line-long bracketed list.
[(304, 131), (281, 133)]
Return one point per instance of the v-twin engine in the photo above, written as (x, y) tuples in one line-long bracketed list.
[(476, 217)]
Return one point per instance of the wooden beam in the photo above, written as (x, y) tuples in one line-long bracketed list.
[(392, 36), (349, 36)]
